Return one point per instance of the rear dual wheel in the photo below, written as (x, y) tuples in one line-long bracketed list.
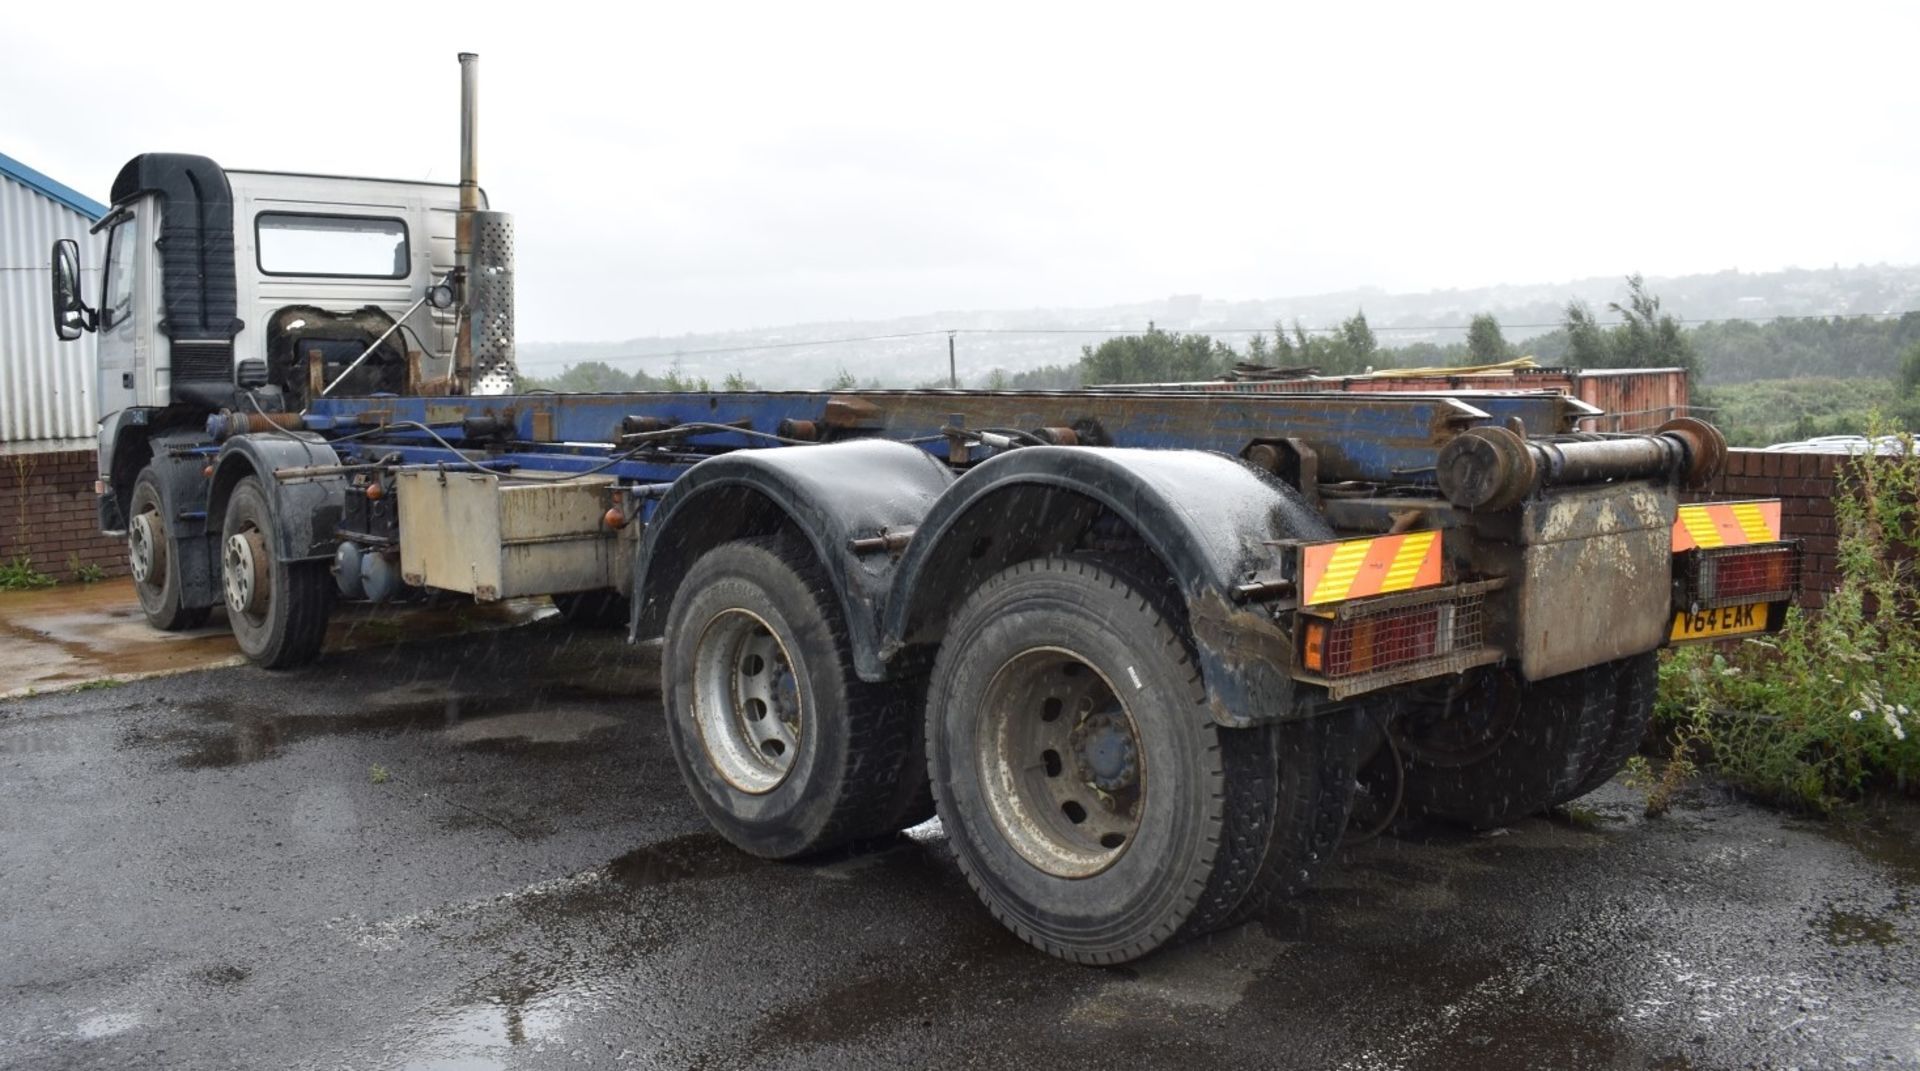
[(784, 748), (1500, 748), (1091, 800)]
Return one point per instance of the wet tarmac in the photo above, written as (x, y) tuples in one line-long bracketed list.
[(79, 634), (474, 852)]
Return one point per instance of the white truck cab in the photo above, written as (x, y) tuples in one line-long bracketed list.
[(217, 280)]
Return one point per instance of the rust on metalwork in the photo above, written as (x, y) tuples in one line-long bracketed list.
[(1292, 460), (844, 411), (1238, 635), (1263, 456), (1706, 447), (1263, 590), (891, 541), (805, 431), (1485, 469), (261, 422), (420, 383)]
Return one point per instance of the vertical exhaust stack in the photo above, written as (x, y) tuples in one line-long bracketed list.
[(483, 247), (469, 144)]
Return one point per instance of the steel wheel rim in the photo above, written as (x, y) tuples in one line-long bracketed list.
[(1061, 763), (243, 571), (146, 549), (746, 701)]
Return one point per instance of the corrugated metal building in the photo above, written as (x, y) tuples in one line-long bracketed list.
[(46, 386)]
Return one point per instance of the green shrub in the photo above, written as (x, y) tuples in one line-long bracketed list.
[(19, 575), (1830, 706)]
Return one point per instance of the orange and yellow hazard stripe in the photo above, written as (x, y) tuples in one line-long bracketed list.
[(1355, 568), (1726, 524)]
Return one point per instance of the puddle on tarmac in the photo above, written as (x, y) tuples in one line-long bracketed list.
[(75, 633), (482, 1035), (223, 975), (1843, 929), (107, 1025), (233, 733), (1885, 830), (687, 858)]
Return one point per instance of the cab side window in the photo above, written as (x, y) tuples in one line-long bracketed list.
[(116, 300)]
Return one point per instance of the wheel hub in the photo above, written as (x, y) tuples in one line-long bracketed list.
[(145, 548), (1061, 763), (244, 572), (747, 703), (1104, 752)]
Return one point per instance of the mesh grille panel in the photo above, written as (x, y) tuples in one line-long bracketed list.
[(1400, 637), (490, 291), (1727, 576)]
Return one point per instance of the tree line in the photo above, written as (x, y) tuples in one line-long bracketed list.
[(1636, 332)]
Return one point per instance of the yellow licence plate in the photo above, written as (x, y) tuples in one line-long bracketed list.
[(1720, 621)]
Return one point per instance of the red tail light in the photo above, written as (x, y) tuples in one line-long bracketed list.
[(1360, 639), (1764, 573), (1369, 643)]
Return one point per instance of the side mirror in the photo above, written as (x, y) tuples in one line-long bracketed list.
[(71, 316)]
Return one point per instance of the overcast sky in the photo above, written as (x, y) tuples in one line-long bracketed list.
[(699, 166)]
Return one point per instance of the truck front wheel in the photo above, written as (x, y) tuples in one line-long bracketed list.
[(154, 557), (782, 745), (1089, 797), (278, 609)]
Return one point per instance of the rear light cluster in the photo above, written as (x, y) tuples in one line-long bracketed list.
[(1395, 640), (1730, 576)]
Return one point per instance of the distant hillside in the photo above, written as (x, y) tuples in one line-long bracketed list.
[(913, 350)]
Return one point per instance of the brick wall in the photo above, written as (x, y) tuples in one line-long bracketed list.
[(47, 515), (1806, 485)]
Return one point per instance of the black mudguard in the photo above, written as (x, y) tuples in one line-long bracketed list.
[(306, 509), (183, 489), (829, 494), (1212, 521)]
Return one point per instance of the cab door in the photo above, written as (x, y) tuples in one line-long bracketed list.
[(127, 377)]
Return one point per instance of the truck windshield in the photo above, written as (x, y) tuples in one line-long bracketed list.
[(353, 246)]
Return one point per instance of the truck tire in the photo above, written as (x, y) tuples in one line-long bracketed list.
[(783, 747), (1279, 847), (278, 609), (1089, 798), (605, 608), (1507, 748), (1636, 684), (153, 554)]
